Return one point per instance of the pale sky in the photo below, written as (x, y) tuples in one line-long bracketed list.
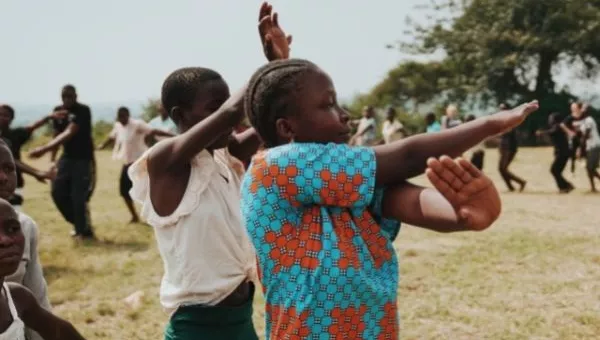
[(121, 50)]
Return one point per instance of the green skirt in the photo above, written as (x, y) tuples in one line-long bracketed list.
[(199, 322)]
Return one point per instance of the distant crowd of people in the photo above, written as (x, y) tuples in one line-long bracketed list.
[(574, 136)]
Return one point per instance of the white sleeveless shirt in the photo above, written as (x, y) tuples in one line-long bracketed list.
[(16, 331), (205, 250)]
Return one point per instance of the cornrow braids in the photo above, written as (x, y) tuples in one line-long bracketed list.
[(268, 95), (181, 86)]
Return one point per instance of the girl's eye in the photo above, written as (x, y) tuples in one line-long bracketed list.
[(13, 228)]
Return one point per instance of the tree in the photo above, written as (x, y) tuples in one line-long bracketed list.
[(512, 49), (150, 109)]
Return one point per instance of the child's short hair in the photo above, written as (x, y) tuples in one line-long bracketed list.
[(123, 109), (10, 110), (267, 97), (430, 118), (470, 118), (181, 86)]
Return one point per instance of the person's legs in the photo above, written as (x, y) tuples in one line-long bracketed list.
[(124, 187), (61, 189), (477, 159), (506, 157), (558, 166), (80, 191), (593, 161)]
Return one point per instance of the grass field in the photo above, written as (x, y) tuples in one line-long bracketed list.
[(534, 275)]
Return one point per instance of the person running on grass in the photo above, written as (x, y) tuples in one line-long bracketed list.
[(16, 137), (71, 188), (562, 152), (322, 215), (190, 195), (590, 137), (128, 135), (509, 145), (19, 308)]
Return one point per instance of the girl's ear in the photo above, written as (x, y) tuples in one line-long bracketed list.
[(285, 130)]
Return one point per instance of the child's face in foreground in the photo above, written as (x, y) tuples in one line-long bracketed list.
[(12, 240), (318, 117), (8, 175), (208, 100)]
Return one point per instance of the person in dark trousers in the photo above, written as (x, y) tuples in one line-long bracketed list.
[(570, 125), (71, 188), (562, 152), (478, 151), (15, 138), (508, 149)]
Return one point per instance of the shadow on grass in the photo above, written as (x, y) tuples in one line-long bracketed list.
[(132, 246)]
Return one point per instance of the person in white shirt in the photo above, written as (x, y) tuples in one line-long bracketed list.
[(128, 135), (366, 132), (591, 140), (452, 118), (392, 129)]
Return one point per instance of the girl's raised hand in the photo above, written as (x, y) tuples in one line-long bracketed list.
[(472, 194), (276, 45)]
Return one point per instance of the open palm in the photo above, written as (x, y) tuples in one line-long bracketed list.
[(472, 194), (276, 44)]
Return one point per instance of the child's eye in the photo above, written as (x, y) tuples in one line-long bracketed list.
[(13, 228)]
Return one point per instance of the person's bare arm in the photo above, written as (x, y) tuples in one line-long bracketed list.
[(161, 133), (31, 171), (176, 152), (406, 158), (49, 326), (59, 140), (462, 199), (244, 145), (43, 121), (107, 141)]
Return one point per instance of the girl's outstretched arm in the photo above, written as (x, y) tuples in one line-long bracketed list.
[(180, 149), (463, 198), (407, 158), (49, 326), (244, 145)]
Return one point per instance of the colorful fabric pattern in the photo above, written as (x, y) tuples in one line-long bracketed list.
[(326, 259)]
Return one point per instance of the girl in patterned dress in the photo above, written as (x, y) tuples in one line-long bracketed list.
[(323, 215)]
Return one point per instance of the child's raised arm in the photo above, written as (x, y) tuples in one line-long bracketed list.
[(49, 326), (180, 149), (463, 198), (407, 158)]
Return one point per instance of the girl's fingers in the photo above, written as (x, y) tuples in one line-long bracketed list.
[(454, 166), (441, 185), (289, 40), (441, 168), (276, 19), (469, 168)]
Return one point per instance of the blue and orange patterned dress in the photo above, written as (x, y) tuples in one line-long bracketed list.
[(325, 254)]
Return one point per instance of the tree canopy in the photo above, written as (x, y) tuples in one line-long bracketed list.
[(497, 51)]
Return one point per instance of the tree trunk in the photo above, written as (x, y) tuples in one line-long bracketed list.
[(544, 83)]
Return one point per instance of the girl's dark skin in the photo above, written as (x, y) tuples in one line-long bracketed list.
[(208, 125), (12, 244), (319, 119)]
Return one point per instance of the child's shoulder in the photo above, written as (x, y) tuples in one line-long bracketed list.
[(22, 297)]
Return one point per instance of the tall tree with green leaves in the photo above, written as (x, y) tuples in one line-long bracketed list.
[(513, 49)]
